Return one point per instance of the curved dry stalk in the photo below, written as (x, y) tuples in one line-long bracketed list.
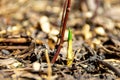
[(49, 65)]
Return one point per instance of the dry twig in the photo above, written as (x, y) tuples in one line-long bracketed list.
[(63, 30), (117, 72), (13, 47), (15, 40)]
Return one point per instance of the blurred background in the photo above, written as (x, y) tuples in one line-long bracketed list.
[(42, 18)]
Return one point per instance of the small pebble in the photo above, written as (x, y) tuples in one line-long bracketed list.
[(86, 31), (36, 66), (100, 31), (17, 65), (45, 25), (5, 51)]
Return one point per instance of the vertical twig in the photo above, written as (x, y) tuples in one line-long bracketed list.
[(63, 30), (63, 14), (95, 12), (62, 20)]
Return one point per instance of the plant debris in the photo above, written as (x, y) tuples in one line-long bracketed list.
[(35, 45)]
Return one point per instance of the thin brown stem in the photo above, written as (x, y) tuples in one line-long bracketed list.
[(63, 30), (95, 12), (62, 20)]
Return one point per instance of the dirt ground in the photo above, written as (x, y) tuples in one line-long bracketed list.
[(29, 30)]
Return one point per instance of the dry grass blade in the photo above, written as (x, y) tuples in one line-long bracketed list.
[(49, 65)]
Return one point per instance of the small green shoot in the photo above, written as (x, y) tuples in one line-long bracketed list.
[(70, 55)]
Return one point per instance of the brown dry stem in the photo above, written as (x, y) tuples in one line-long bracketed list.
[(15, 40), (13, 47), (63, 30)]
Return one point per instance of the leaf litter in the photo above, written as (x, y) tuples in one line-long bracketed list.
[(29, 32)]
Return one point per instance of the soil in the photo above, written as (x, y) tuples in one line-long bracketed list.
[(29, 30)]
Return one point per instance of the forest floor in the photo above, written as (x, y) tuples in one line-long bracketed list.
[(29, 31)]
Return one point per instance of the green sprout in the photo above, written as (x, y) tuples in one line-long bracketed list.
[(70, 55)]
